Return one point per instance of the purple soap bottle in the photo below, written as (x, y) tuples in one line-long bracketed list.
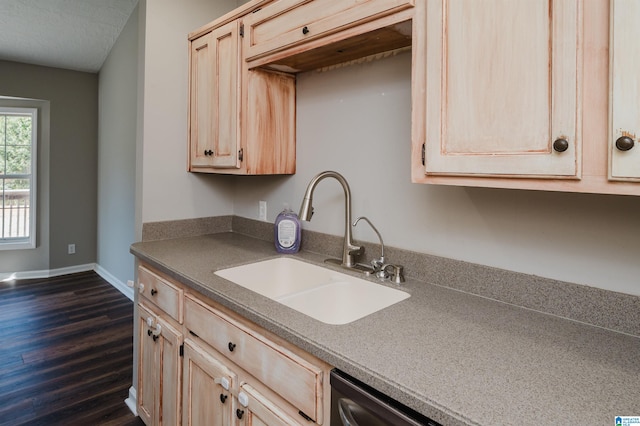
[(287, 231)]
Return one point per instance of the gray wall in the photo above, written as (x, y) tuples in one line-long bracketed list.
[(356, 120), (118, 87), (72, 162), (168, 190)]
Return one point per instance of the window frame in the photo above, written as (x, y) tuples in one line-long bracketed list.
[(30, 241)]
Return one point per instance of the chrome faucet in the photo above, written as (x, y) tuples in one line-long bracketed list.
[(349, 250), (380, 267), (376, 264)]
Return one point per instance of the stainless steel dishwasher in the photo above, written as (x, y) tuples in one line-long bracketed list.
[(354, 403)]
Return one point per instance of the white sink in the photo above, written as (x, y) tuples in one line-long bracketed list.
[(278, 277), (321, 293)]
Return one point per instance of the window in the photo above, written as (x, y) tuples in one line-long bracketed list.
[(18, 148)]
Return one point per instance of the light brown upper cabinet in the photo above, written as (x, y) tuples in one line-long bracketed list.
[(502, 82), (515, 94), (214, 103), (535, 94), (625, 91), (241, 121), (286, 28)]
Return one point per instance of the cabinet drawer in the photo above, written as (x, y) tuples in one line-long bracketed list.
[(290, 376), (161, 293), (286, 23)]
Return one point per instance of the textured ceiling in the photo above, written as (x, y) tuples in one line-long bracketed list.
[(70, 34)]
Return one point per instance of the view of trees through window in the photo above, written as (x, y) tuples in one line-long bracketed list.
[(16, 145)]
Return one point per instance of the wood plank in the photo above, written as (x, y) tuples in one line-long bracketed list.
[(66, 352)]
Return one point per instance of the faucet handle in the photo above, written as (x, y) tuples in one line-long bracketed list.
[(378, 268), (356, 250), (396, 275)]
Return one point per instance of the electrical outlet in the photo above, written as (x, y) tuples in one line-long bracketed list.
[(262, 210), (71, 249)]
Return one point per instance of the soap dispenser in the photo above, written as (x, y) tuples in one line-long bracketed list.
[(287, 231)]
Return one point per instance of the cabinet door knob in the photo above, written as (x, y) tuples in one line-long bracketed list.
[(223, 398), (149, 333), (239, 413), (154, 291), (231, 346), (208, 152), (305, 30), (560, 145), (624, 143), (155, 337)]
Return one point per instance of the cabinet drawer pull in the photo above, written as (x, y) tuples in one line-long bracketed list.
[(224, 382), (305, 30), (239, 413), (231, 346), (154, 291), (624, 143), (560, 145), (208, 152), (223, 398)]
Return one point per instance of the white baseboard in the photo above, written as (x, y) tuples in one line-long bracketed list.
[(46, 273), (132, 401), (119, 285)]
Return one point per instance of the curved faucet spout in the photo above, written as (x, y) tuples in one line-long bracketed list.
[(349, 250)]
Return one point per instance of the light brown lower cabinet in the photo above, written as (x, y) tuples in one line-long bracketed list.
[(210, 396), (217, 368), (159, 368), (206, 388)]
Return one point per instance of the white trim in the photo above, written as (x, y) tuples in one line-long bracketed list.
[(30, 242), (111, 279), (132, 401), (46, 273)]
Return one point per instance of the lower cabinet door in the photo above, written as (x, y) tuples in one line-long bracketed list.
[(207, 400), (170, 369), (147, 360), (254, 409), (159, 370)]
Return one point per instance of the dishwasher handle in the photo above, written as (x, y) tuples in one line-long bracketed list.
[(358, 402), (344, 405)]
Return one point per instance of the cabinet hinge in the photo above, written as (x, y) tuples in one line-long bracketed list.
[(182, 350), (242, 30), (423, 148), (241, 154)]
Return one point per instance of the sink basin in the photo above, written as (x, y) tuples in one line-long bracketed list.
[(321, 293), (277, 277)]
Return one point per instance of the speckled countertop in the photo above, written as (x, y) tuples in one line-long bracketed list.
[(455, 357)]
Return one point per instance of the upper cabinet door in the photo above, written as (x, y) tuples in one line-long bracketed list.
[(625, 90), (214, 113), (500, 87)]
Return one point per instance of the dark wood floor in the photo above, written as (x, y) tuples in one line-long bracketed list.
[(66, 351)]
